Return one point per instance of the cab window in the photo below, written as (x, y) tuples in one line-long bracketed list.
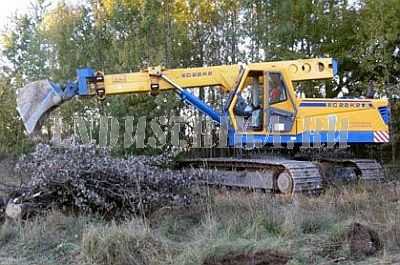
[(277, 88), (250, 103)]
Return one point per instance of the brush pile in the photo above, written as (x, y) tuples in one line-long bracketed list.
[(90, 180)]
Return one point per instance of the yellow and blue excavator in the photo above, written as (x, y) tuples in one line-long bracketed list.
[(262, 108)]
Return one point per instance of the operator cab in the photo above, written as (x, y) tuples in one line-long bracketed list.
[(264, 107), (250, 103)]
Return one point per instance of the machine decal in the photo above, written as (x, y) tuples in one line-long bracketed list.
[(324, 137), (337, 104), (381, 137), (197, 74), (119, 79)]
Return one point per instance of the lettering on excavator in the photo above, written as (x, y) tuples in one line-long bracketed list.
[(196, 74)]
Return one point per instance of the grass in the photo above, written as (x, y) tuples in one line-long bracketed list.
[(128, 243), (312, 230), (47, 240)]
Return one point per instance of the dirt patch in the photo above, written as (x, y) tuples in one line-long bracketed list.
[(363, 241), (262, 257)]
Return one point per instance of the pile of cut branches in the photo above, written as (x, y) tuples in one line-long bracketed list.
[(90, 180)]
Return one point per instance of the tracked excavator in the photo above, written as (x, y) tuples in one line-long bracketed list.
[(262, 108)]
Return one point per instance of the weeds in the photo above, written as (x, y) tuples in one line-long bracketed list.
[(125, 244), (44, 240), (8, 232), (310, 230)]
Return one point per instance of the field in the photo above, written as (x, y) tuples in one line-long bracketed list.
[(344, 225)]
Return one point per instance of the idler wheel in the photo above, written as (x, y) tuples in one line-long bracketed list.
[(284, 183)]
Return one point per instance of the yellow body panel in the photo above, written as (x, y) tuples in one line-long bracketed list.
[(348, 114), (223, 76)]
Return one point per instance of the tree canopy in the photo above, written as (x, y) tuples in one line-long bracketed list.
[(50, 42)]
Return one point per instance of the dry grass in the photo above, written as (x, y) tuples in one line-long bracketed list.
[(128, 243), (54, 239), (311, 229)]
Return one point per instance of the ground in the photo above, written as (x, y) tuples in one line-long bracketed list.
[(344, 225)]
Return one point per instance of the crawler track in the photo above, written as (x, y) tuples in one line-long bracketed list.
[(283, 176), (352, 170), (369, 170)]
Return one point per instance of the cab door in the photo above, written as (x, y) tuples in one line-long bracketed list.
[(280, 108)]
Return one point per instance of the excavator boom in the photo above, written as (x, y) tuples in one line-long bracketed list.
[(37, 99)]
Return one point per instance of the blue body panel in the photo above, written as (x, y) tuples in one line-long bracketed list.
[(335, 66), (302, 139), (188, 97), (83, 74), (385, 114), (313, 104)]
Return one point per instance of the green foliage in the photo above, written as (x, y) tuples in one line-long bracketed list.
[(12, 137), (25, 46), (122, 36)]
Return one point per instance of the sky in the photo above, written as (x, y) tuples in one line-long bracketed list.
[(10, 7)]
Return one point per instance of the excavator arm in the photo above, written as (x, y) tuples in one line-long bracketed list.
[(155, 79), (37, 99)]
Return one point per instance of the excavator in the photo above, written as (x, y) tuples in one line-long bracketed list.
[(262, 108)]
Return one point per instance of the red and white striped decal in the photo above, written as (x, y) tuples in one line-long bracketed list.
[(381, 137)]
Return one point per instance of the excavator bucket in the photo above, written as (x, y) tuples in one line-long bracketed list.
[(35, 100)]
